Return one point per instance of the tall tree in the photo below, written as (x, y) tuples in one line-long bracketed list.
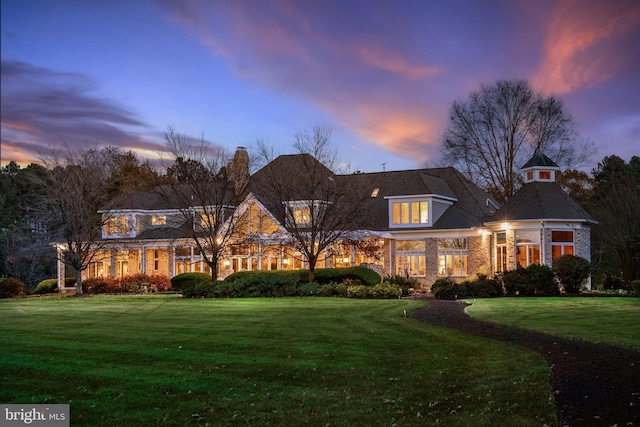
[(205, 188), (25, 250), (494, 132), (615, 204), (75, 189), (316, 206)]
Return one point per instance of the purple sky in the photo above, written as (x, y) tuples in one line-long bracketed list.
[(381, 74)]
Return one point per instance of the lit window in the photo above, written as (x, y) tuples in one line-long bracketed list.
[(501, 251), (159, 220), (375, 192), (410, 258), (301, 215), (527, 247), (207, 220), (561, 243), (529, 175), (546, 175), (453, 257), (406, 213), (117, 225)]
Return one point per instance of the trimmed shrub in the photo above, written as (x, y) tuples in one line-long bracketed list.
[(535, 280), (308, 289), (10, 287), (483, 287), (322, 275), (179, 282), (136, 283), (572, 271), (101, 285), (333, 290), (379, 291), (201, 290), (407, 284), (449, 290), (441, 283), (47, 286)]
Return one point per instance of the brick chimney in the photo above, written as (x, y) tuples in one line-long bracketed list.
[(238, 170)]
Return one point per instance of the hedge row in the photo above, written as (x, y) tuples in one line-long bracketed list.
[(10, 287), (247, 289), (355, 275), (134, 284)]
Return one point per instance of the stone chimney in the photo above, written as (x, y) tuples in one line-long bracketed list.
[(238, 170)]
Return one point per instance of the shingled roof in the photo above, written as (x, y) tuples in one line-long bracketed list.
[(544, 201), (540, 159)]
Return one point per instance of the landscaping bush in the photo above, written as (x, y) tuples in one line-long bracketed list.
[(407, 284), (263, 284), (482, 287), (572, 271), (446, 288), (379, 291), (136, 283), (322, 275), (613, 283), (308, 289), (535, 280), (47, 286), (201, 290), (333, 290), (440, 284), (10, 287), (179, 282), (101, 285)]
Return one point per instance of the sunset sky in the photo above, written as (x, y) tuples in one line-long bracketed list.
[(381, 74)]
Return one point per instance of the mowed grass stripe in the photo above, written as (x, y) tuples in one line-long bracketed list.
[(298, 361), (607, 320)]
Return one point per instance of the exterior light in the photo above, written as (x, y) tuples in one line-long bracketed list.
[(506, 226)]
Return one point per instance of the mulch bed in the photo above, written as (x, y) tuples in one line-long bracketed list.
[(594, 384)]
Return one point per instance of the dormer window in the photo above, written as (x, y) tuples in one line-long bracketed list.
[(407, 213), (420, 210), (159, 220), (117, 226), (301, 214)]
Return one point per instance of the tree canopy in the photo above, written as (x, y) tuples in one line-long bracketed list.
[(500, 126)]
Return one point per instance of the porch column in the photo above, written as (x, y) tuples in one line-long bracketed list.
[(114, 263), (61, 270), (172, 261), (143, 260)]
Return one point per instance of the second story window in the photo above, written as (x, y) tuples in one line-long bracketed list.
[(408, 213), (207, 220), (117, 225), (159, 220), (301, 214)]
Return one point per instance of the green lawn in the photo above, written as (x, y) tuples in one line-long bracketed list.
[(608, 320), (147, 360)]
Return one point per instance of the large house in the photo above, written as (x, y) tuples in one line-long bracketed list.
[(424, 223)]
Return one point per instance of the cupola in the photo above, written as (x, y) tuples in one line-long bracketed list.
[(539, 168)]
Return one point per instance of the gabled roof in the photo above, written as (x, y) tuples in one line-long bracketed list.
[(540, 160), (544, 201)]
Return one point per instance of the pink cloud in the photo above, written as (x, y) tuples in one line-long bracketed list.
[(585, 44)]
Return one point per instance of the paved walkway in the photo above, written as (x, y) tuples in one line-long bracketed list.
[(594, 384)]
